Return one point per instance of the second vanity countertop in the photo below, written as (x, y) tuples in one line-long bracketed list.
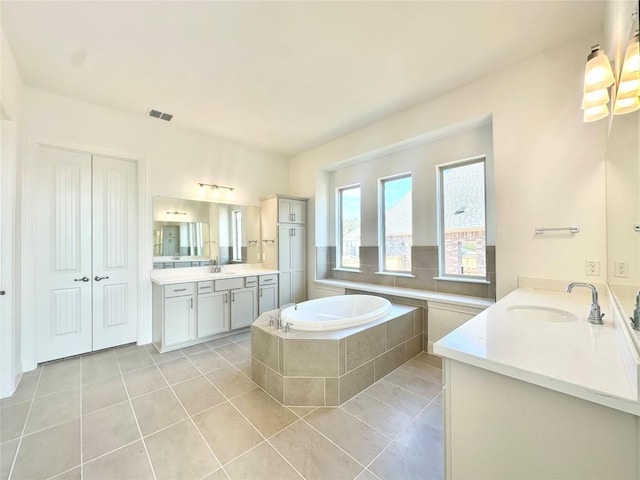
[(201, 274), (594, 362)]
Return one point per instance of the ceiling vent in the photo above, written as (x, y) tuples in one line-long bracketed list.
[(158, 114)]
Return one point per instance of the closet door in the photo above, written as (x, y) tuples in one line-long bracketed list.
[(63, 266), (115, 246)]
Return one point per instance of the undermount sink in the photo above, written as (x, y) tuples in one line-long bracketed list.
[(540, 313)]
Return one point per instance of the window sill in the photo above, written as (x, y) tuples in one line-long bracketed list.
[(350, 270), (395, 274), (463, 280)]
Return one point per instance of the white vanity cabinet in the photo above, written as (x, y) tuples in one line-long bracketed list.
[(179, 309), (213, 310), (267, 293)]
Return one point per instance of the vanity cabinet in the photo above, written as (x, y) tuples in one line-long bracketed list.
[(180, 314), (213, 311), (267, 293), (284, 237)]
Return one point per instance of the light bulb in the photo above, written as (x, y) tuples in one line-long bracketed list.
[(628, 88), (597, 71), (595, 98), (626, 105), (216, 192), (631, 62), (595, 113), (201, 190)]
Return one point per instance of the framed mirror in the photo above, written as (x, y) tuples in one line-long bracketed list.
[(190, 232)]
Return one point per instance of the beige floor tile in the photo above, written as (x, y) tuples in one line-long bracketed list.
[(53, 409), (233, 353), (314, 456), (218, 342), (377, 414), (302, 411), (128, 463), (59, 376), (103, 393), (396, 462), (158, 357), (178, 370), (403, 400), (157, 410), (12, 421), (261, 463), (241, 337), (108, 429), (424, 437), (130, 348), (25, 391), (414, 383), (197, 395), (367, 475), (231, 382), (423, 369), (355, 437), (217, 475), (226, 431), (208, 361), (56, 449), (99, 366), (244, 366), (134, 360), (73, 474), (62, 364), (180, 452), (246, 344), (7, 454), (267, 415), (198, 347), (145, 380)]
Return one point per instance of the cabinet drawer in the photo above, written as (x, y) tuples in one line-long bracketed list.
[(229, 283), (205, 287), (178, 290), (269, 279), (251, 281)]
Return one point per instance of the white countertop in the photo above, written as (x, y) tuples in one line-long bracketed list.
[(201, 274), (594, 362)]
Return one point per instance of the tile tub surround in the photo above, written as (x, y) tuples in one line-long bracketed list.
[(328, 368), (424, 261), (214, 425)]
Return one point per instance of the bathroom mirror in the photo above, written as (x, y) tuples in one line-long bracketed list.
[(623, 209), (196, 230)]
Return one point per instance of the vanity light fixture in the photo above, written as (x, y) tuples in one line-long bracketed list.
[(628, 90), (176, 213), (598, 76), (216, 189)]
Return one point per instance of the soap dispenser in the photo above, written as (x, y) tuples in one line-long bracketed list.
[(635, 320)]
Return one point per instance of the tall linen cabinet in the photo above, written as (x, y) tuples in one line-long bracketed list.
[(284, 244)]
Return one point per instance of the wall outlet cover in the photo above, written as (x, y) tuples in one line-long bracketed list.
[(592, 268), (621, 269)]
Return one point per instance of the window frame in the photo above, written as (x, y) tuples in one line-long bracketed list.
[(236, 234), (339, 233), (440, 217), (382, 264)]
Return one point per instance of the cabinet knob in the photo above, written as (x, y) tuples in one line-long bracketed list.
[(2, 292)]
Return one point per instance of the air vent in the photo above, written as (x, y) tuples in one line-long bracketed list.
[(158, 114)]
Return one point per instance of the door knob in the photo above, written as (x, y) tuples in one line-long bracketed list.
[(83, 279), (97, 278), (2, 292)]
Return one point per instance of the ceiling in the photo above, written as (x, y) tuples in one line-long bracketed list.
[(281, 76)]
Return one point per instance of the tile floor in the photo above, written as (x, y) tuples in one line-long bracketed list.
[(131, 413)]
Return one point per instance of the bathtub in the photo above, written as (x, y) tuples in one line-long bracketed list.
[(334, 313)]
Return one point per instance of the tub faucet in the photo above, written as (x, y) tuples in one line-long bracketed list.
[(635, 320), (282, 307), (594, 314)]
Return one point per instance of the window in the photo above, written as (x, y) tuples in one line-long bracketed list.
[(396, 221), (349, 227), (462, 219), (236, 226)]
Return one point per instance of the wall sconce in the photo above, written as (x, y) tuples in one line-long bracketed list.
[(216, 189), (176, 213), (598, 77)]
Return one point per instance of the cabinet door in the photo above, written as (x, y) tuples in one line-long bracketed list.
[(213, 313), (298, 210), (180, 322), (285, 210), (267, 298), (244, 307)]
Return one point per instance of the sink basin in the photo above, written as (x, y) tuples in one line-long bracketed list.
[(539, 313)]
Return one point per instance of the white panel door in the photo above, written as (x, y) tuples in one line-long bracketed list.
[(115, 246), (63, 277), (244, 307)]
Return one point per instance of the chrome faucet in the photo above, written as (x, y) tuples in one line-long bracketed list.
[(279, 317), (594, 314), (216, 268), (635, 320)]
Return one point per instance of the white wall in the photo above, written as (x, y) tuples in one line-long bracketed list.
[(549, 165), (10, 326)]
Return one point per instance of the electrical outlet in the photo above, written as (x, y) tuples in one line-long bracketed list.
[(621, 269), (592, 268)]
